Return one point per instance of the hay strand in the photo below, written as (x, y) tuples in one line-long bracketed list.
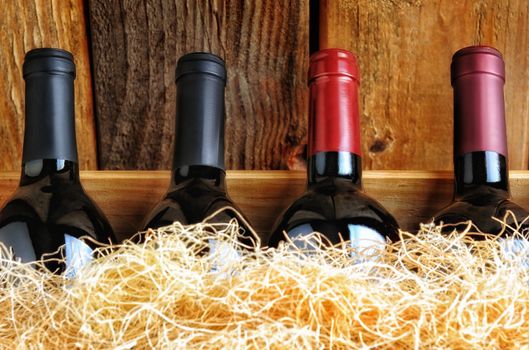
[(427, 291)]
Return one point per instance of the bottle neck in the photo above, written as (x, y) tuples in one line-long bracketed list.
[(334, 132), (477, 171), (334, 122), (55, 170), (212, 176), (479, 114), (199, 134), (480, 140), (49, 132), (335, 167)]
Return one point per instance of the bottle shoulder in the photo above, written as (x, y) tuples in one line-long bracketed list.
[(339, 204), (336, 212), (486, 213), (67, 207), (192, 204), (38, 220)]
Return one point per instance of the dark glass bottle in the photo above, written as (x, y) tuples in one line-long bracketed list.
[(198, 189), (481, 190), (50, 208), (335, 204)]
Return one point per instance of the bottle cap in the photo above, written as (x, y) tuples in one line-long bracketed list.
[(477, 59), (201, 62), (48, 60), (333, 62)]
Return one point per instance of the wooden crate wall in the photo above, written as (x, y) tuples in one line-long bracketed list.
[(27, 24), (126, 52), (136, 45), (404, 48)]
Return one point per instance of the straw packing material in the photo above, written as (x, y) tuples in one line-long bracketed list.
[(171, 292)]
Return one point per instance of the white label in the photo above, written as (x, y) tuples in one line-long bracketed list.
[(77, 254), (362, 238), (15, 236), (515, 249), (222, 254)]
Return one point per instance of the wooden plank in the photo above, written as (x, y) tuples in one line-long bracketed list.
[(412, 196), (28, 24), (404, 50), (136, 45)]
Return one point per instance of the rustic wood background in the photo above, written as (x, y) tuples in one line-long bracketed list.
[(405, 48), (126, 52), (25, 25), (135, 48)]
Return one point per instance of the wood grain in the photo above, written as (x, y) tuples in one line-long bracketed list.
[(411, 196), (136, 45), (28, 24), (404, 50)]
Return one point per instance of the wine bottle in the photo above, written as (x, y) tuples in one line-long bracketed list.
[(481, 190), (50, 209), (198, 190), (335, 204)]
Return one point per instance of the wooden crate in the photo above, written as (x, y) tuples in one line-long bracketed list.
[(412, 196)]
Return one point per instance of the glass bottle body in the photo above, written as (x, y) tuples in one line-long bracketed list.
[(48, 210), (197, 193), (481, 194), (336, 206)]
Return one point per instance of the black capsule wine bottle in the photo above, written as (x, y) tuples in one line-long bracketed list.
[(481, 190), (198, 189), (50, 208), (335, 204)]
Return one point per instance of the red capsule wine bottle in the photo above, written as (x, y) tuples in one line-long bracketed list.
[(50, 208), (198, 190), (335, 204), (481, 190)]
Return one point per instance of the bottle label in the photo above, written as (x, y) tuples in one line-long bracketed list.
[(76, 254), (365, 241), (516, 249), (15, 237), (222, 254)]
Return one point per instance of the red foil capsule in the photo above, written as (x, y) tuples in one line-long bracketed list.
[(334, 123), (478, 76)]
